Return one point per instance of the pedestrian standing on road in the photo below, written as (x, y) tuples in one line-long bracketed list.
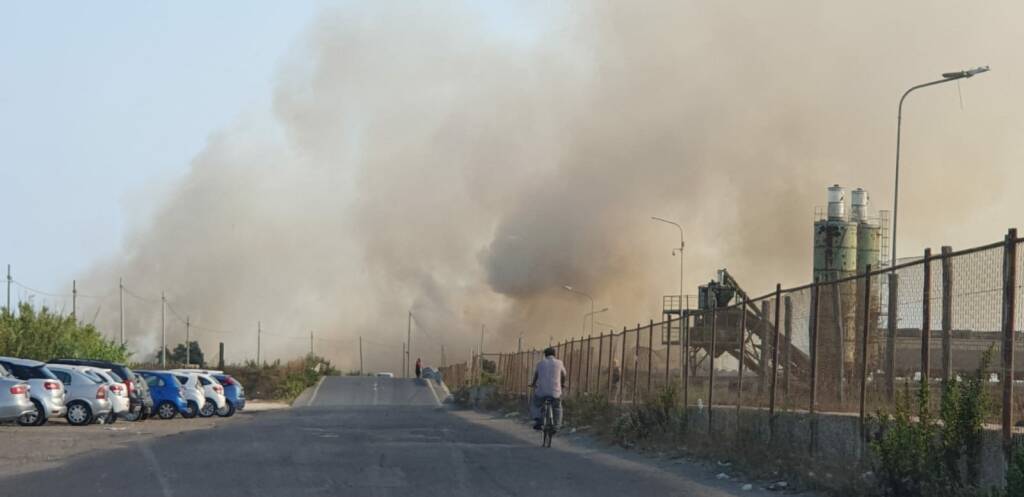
[(419, 367), (548, 381)]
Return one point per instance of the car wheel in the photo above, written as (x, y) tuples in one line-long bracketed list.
[(111, 418), (166, 410), (209, 408), (79, 414), (34, 418), (227, 411), (193, 409)]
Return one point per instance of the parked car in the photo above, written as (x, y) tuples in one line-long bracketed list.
[(195, 396), (234, 394), (385, 374), (14, 398), (86, 395), (116, 391), (47, 392), (167, 392), (139, 404), (212, 389)]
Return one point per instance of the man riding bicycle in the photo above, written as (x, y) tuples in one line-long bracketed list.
[(548, 381)]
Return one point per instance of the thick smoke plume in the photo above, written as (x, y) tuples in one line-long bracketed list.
[(466, 164)]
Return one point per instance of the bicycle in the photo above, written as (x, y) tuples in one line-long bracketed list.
[(548, 413)]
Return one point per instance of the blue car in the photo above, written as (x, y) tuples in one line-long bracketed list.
[(167, 392), (234, 393)]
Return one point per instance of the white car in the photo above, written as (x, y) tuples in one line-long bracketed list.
[(195, 395), (385, 374), (117, 394), (214, 391)]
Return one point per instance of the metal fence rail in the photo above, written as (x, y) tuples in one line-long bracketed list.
[(845, 346)]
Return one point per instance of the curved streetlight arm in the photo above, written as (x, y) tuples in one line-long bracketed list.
[(946, 77), (577, 292)]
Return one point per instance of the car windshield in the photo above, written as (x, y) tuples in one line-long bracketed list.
[(114, 376)]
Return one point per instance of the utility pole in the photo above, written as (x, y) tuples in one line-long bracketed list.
[(9, 289), (74, 300), (120, 291), (310, 342), (480, 354), (259, 336), (443, 361), (404, 355), (188, 341), (408, 345), (360, 355), (163, 333)]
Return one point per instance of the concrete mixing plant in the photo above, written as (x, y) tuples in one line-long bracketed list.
[(844, 246)]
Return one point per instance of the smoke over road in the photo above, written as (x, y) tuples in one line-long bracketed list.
[(467, 164)]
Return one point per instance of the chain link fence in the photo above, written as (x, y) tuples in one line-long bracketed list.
[(845, 347)]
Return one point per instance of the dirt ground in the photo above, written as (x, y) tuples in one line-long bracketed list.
[(27, 449)]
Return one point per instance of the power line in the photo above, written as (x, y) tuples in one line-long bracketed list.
[(57, 295)]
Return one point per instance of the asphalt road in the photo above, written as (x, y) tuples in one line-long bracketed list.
[(356, 437)]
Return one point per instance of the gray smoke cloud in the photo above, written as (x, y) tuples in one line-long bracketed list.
[(465, 165)]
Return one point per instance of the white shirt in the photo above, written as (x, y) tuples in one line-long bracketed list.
[(549, 377)]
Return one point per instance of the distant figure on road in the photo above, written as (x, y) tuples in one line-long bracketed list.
[(419, 367), (548, 381)]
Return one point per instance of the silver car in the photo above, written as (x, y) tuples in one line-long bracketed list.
[(14, 398), (87, 395), (47, 392)]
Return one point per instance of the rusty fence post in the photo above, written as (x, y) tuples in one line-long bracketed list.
[(1009, 309), (600, 355), (742, 360), (711, 361), (622, 366), (586, 377), (815, 313), (775, 362), (892, 320), (787, 352), (667, 326), (685, 354), (581, 369), (864, 353), (611, 365), (947, 313), (636, 362), (926, 318), (650, 355)]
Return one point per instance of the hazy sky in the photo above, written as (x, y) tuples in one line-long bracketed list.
[(103, 103), (329, 166)]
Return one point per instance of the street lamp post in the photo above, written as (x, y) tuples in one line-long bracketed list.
[(590, 314), (682, 244), (946, 77), (577, 292)]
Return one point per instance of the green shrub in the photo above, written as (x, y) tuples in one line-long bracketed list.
[(44, 335), (279, 381), (923, 456), (660, 416)]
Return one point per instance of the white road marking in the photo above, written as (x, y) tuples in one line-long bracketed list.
[(316, 391), (430, 385), (165, 489)]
